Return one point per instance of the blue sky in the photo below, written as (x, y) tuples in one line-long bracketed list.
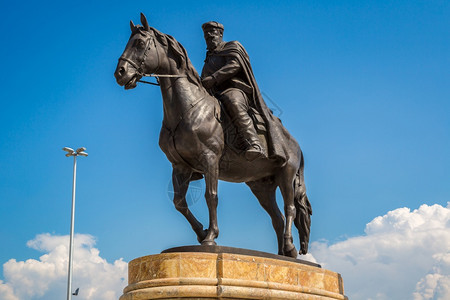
[(363, 86)]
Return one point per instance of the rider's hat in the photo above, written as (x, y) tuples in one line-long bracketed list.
[(212, 24)]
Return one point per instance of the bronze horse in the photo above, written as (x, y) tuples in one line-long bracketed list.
[(192, 137)]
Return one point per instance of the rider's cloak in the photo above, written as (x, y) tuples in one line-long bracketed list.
[(278, 137)]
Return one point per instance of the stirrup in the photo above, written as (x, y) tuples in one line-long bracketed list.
[(253, 152)]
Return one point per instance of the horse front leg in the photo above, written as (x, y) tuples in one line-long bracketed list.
[(180, 179), (211, 180)]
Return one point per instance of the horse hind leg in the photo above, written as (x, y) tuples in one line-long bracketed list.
[(264, 190), (180, 179), (286, 184)]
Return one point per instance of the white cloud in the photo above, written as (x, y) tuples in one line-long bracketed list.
[(403, 255), (436, 284), (7, 292), (46, 278)]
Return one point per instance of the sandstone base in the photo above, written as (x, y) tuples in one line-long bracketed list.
[(189, 275)]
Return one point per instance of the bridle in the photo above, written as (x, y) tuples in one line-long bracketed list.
[(139, 67)]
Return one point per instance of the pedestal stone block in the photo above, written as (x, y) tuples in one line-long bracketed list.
[(197, 275)]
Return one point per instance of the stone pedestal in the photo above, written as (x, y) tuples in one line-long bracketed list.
[(200, 275)]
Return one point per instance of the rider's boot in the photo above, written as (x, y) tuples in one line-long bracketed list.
[(252, 144), (236, 104), (254, 149)]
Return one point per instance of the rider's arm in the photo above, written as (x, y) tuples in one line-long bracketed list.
[(230, 69)]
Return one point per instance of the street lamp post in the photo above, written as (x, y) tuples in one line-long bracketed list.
[(71, 152)]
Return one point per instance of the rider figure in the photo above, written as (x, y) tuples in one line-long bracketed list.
[(225, 77)]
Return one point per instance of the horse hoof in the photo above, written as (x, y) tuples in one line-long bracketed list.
[(202, 236), (291, 253), (209, 243)]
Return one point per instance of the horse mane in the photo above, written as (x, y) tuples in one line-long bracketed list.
[(180, 54)]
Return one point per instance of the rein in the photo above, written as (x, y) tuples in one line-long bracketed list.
[(157, 76)]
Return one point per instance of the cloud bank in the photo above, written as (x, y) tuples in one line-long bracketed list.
[(403, 255), (46, 278)]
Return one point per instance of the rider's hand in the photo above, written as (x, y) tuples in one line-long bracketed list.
[(208, 82)]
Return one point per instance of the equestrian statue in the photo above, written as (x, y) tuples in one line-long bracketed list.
[(218, 126)]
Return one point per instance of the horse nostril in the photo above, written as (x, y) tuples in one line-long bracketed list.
[(119, 73)]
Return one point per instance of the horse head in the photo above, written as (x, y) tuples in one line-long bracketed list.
[(140, 56)]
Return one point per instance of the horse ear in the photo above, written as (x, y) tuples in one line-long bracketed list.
[(144, 22), (132, 25)]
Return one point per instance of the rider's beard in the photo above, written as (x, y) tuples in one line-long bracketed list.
[(212, 43)]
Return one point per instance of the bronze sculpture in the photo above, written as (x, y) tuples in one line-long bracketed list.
[(200, 139)]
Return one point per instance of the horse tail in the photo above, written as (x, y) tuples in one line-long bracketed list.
[(303, 208)]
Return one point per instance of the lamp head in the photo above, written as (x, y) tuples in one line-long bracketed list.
[(70, 150)]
